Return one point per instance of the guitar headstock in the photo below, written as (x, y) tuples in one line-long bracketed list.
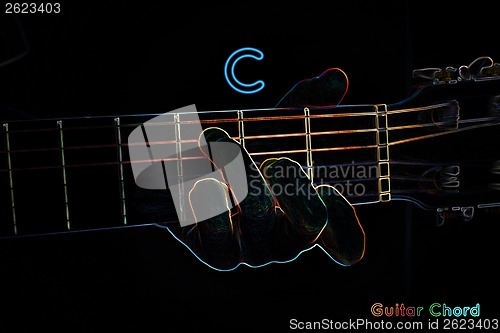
[(482, 68), (454, 170)]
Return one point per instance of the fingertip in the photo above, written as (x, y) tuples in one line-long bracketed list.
[(208, 198), (296, 196), (214, 237), (215, 134), (343, 237)]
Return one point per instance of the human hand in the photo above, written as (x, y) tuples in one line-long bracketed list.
[(283, 215)]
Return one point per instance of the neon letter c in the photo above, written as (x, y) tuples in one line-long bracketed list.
[(246, 52)]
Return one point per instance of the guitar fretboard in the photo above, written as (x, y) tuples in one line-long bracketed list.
[(74, 174)]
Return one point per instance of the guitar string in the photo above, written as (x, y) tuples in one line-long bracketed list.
[(114, 163), (274, 117), (266, 136), (484, 123), (286, 135)]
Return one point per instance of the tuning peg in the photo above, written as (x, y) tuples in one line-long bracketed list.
[(479, 68), (425, 73), (476, 67), (491, 71), (448, 75), (437, 75), (464, 72)]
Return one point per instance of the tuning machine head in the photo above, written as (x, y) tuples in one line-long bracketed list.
[(480, 69), (437, 75), (490, 71)]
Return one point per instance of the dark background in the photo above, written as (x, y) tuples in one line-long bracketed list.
[(113, 58)]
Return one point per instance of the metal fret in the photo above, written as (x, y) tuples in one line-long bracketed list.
[(121, 180), (11, 179), (383, 158), (307, 123), (63, 167), (180, 172), (241, 130)]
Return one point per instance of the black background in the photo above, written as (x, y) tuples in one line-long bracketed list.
[(111, 58)]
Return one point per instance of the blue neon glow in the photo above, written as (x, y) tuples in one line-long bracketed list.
[(246, 52), (247, 264)]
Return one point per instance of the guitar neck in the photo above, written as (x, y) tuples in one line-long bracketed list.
[(66, 175)]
